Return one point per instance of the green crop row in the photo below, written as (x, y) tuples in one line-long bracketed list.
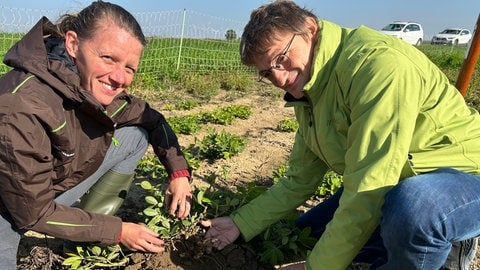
[(170, 62)]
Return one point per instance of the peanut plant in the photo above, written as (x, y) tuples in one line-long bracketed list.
[(280, 242), (92, 256), (189, 124), (216, 145), (287, 125)]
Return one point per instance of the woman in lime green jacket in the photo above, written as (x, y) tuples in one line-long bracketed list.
[(374, 109)]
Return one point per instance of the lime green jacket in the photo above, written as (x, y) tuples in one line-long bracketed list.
[(376, 110)]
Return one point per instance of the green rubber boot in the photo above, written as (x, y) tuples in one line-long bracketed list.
[(104, 197), (108, 194)]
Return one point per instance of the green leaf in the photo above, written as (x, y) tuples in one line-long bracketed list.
[(114, 248), (235, 202), (151, 200), (200, 195), (266, 234), (166, 224), (305, 233), (174, 229), (206, 200), (151, 224), (284, 240), (164, 233), (72, 260), (149, 212), (96, 250), (112, 256), (293, 246), (272, 254), (146, 185)]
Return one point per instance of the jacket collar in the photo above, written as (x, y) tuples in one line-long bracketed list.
[(55, 48), (326, 54)]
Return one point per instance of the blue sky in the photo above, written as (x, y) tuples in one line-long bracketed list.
[(434, 15)]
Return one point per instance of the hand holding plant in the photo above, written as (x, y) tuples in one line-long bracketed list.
[(140, 238), (222, 232), (178, 197)]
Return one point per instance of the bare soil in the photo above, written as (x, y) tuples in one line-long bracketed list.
[(267, 149)]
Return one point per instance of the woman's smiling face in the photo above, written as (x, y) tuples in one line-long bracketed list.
[(107, 62)]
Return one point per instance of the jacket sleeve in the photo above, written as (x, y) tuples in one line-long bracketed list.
[(383, 97), (304, 174), (161, 136), (26, 173)]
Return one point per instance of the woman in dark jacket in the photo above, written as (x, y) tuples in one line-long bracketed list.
[(68, 128)]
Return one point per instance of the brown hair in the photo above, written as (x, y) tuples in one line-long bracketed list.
[(267, 22), (89, 19)]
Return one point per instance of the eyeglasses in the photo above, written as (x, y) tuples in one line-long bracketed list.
[(279, 62)]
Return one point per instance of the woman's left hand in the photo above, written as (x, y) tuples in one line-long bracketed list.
[(178, 197)]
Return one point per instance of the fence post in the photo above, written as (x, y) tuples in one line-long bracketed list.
[(470, 60), (181, 38)]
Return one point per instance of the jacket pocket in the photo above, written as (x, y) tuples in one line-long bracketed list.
[(63, 151)]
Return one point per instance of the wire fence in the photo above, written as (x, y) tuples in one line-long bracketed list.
[(182, 40)]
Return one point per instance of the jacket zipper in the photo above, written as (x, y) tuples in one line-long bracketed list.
[(313, 126)]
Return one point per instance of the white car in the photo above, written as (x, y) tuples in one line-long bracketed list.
[(410, 32), (452, 36)]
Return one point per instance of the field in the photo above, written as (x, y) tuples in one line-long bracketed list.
[(227, 181)]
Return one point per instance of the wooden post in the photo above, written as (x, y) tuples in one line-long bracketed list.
[(470, 61)]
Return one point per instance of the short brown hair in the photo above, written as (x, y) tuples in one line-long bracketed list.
[(266, 22)]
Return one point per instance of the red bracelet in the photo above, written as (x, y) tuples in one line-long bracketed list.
[(181, 173), (119, 239)]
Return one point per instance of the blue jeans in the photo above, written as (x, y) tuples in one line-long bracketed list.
[(421, 217), (122, 158)]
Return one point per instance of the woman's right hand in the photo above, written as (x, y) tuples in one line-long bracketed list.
[(223, 231), (137, 237)]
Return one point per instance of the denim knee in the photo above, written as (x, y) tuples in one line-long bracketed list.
[(406, 211), (319, 216), (425, 205)]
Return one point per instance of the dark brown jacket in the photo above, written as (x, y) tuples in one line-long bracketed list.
[(53, 135)]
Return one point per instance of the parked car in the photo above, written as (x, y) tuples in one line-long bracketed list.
[(452, 36), (410, 32)]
